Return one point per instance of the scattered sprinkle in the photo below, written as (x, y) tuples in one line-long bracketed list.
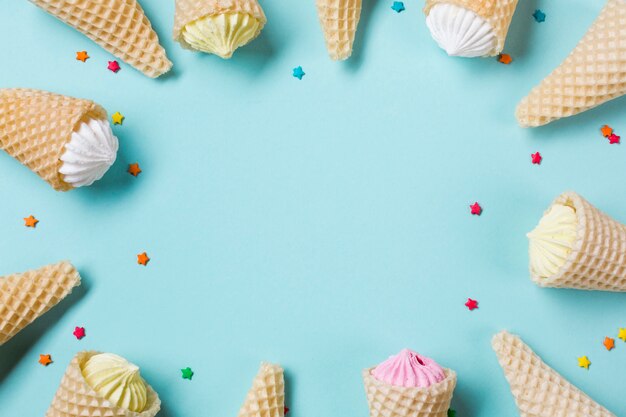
[(82, 56), (142, 259), (30, 221), (536, 158), (451, 413), (539, 16), (45, 360), (187, 373), (584, 362), (298, 72), (398, 6), (471, 304), (609, 343), (79, 332), (133, 169), (606, 131), (505, 59), (622, 334), (286, 410), (613, 139), (117, 118), (114, 66), (476, 209)]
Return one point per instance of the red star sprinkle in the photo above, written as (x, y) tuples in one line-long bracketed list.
[(476, 209), (286, 410), (536, 158), (114, 66), (471, 304), (606, 130), (505, 59), (79, 332), (613, 139)]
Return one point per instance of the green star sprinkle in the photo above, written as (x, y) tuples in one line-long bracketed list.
[(451, 413), (187, 373)]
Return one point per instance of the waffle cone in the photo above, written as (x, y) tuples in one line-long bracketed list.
[(119, 26), (540, 391), (594, 73), (25, 297), (36, 125), (339, 20), (188, 11), (498, 13), (386, 400), (266, 398), (75, 398), (598, 257)]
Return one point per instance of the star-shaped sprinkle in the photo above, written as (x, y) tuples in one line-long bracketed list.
[(45, 360), (117, 118), (142, 259), (606, 131), (30, 221), (584, 362), (286, 410), (79, 332), (536, 158), (622, 334), (134, 170), (451, 413), (476, 209), (613, 139), (187, 373), (471, 304), (609, 343), (505, 59), (298, 72), (82, 56), (398, 6), (539, 16), (114, 66)]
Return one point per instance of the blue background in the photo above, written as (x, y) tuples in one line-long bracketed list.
[(322, 224)]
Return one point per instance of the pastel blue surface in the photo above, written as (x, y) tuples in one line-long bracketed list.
[(323, 224)]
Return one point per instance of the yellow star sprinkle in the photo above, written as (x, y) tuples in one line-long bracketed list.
[(622, 334), (584, 362), (117, 118)]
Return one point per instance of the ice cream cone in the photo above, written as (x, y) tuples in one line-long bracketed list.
[(36, 125), (594, 73), (25, 297), (75, 398), (387, 400), (339, 20), (266, 398), (540, 391), (119, 26), (498, 13), (598, 257)]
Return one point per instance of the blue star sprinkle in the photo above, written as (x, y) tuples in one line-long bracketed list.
[(539, 16), (298, 73), (398, 6)]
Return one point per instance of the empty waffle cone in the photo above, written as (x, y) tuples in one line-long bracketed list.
[(498, 13), (598, 257), (387, 400), (339, 20), (540, 391), (75, 398), (25, 297), (266, 398), (190, 11), (594, 73), (119, 26), (36, 125)]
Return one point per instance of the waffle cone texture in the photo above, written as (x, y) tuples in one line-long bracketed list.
[(25, 297), (188, 11), (386, 400), (594, 73), (266, 398), (36, 125), (598, 257), (119, 26), (75, 398), (498, 13), (540, 391), (339, 20)]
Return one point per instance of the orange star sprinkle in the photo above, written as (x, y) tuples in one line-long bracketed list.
[(142, 259), (82, 56), (134, 170), (45, 360), (609, 343), (505, 59), (606, 131), (30, 221)]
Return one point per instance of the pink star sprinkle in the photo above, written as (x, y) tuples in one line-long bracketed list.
[(79, 332), (613, 139), (471, 304), (114, 66), (476, 209), (536, 158)]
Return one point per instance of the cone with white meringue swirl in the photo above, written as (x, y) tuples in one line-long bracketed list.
[(339, 20)]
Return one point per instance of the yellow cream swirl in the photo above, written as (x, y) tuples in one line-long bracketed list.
[(117, 380), (552, 240)]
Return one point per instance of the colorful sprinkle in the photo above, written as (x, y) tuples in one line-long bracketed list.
[(117, 118), (471, 304), (187, 373), (114, 66), (536, 158), (606, 131), (79, 332), (30, 221), (143, 259), (584, 362), (133, 169), (505, 59), (82, 56), (609, 343), (45, 360), (398, 6), (539, 16), (613, 139), (622, 334), (298, 72), (476, 209)]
